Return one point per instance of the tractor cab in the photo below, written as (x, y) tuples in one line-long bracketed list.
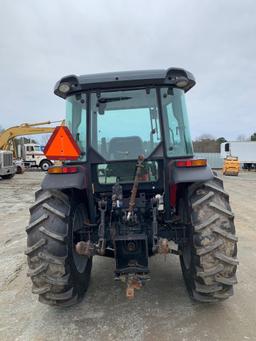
[(123, 124), (114, 122), (119, 124)]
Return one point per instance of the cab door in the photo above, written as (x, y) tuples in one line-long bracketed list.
[(30, 156)]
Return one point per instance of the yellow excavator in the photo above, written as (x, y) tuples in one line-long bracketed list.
[(7, 136), (32, 155)]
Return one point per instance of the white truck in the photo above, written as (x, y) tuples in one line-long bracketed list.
[(7, 167), (244, 150), (33, 156)]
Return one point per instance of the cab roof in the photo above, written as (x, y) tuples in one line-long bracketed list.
[(112, 80)]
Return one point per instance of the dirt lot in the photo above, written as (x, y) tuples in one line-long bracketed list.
[(161, 311)]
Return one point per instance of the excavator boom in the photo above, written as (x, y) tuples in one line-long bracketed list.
[(24, 129)]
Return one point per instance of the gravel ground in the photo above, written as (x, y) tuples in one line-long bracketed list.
[(161, 310)]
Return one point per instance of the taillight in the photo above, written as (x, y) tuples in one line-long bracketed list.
[(191, 163), (62, 170)]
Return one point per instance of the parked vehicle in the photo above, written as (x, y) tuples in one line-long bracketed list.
[(244, 150), (20, 166), (231, 166), (7, 167), (33, 156), (31, 153), (8, 135), (126, 186)]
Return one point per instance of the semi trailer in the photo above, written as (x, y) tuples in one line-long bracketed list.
[(245, 151)]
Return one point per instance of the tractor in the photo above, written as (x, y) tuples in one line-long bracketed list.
[(126, 185)]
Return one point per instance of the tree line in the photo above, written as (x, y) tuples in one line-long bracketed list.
[(207, 143)]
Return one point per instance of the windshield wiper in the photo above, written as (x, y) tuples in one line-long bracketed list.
[(112, 99), (102, 102)]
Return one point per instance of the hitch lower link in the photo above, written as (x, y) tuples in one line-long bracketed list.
[(87, 248)]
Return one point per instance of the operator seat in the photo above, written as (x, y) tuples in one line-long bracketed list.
[(125, 148)]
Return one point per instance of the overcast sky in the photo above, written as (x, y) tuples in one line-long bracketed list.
[(40, 41)]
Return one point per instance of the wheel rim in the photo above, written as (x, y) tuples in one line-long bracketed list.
[(45, 166), (78, 220)]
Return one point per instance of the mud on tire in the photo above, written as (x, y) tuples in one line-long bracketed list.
[(209, 260), (52, 265)]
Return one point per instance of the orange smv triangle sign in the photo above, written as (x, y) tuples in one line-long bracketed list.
[(62, 146)]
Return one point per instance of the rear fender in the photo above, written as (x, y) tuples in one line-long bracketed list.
[(189, 174), (63, 181)]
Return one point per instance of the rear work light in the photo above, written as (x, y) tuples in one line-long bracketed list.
[(191, 163), (62, 170)]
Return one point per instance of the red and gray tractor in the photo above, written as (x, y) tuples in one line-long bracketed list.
[(127, 186)]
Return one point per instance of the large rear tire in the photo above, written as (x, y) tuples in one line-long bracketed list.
[(59, 275), (208, 261), (7, 176)]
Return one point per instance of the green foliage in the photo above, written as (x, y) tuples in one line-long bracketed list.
[(253, 137), (20, 140), (207, 143), (221, 140)]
